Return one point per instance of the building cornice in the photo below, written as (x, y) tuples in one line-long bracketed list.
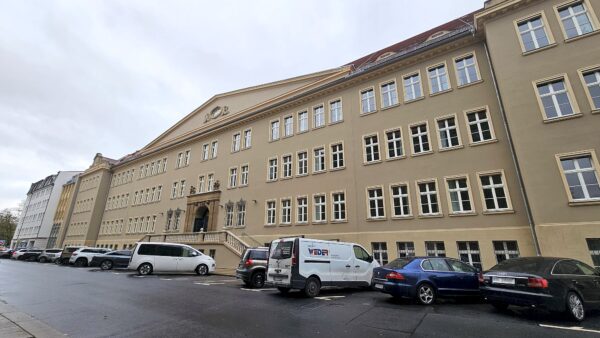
[(498, 10)]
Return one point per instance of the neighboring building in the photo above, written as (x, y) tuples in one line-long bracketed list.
[(35, 225), (64, 210)]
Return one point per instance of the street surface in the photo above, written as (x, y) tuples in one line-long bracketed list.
[(87, 302)]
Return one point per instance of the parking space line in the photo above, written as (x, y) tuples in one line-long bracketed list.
[(329, 297), (571, 328), (257, 290), (208, 284)]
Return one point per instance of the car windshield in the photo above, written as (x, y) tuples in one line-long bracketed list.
[(398, 263), (283, 250), (258, 254), (521, 265)]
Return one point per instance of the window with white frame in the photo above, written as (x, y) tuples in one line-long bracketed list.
[(164, 168), (229, 214), (469, 253), (173, 190), (153, 224), (575, 19), (466, 69), (380, 252), (319, 213), (592, 82), (389, 94), (438, 78), (319, 159), (182, 188), (318, 116), (376, 203), (213, 149), (288, 126), (505, 250), (274, 130), (286, 211), (201, 183), (533, 33), (428, 198), (555, 99), (581, 177), (302, 210), (158, 193), (245, 171), (412, 87), (302, 163), (335, 111), (205, 152), (494, 192), (210, 183), (152, 196), (236, 142), (179, 162), (272, 173), (271, 212), (460, 200), (420, 138), (286, 163), (367, 100), (339, 206), (302, 121), (247, 138), (186, 159), (594, 249), (479, 126), (233, 177), (435, 249), (241, 213), (371, 144), (406, 249), (394, 144), (337, 156), (400, 200)]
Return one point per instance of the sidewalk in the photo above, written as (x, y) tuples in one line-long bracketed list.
[(15, 324)]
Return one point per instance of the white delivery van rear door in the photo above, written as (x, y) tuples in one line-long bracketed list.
[(280, 262)]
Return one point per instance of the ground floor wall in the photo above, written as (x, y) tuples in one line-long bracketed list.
[(573, 240), (29, 243)]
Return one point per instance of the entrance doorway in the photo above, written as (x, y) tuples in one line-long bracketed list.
[(201, 219)]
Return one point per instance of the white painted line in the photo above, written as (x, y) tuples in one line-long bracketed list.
[(257, 290), (166, 279), (116, 273), (209, 284), (139, 276), (571, 328), (329, 297)]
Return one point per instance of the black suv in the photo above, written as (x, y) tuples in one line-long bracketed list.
[(253, 267)]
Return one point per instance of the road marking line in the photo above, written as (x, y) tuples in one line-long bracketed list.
[(572, 328), (257, 290), (329, 297), (166, 279), (209, 284)]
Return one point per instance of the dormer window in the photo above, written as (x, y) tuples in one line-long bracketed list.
[(385, 55), (437, 35)]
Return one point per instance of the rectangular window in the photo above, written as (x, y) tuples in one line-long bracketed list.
[(158, 193), (286, 211), (205, 150), (448, 132), (164, 168), (213, 148), (271, 212), (152, 196), (236, 142), (232, 178), (395, 148), (339, 206), (575, 19), (247, 138), (302, 210), (335, 111), (375, 202), (288, 126), (229, 214), (420, 138), (158, 167), (318, 117), (555, 98), (505, 250), (201, 184), (302, 163), (480, 129), (211, 182), (435, 249), (274, 130), (186, 161), (400, 200), (173, 190), (337, 156), (389, 94), (367, 101), (319, 159), (469, 253), (380, 252), (412, 87), (438, 79), (371, 144), (594, 248), (182, 190), (533, 33), (319, 209), (179, 162), (592, 82), (244, 176), (241, 214), (428, 198), (460, 199), (494, 192), (406, 249), (466, 70), (272, 173), (153, 224), (581, 177), (302, 121), (286, 166)]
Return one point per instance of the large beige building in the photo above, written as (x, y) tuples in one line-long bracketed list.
[(476, 139)]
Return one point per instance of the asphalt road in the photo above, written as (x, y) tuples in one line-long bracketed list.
[(85, 302)]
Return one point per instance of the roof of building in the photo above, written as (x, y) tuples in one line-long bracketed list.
[(42, 183)]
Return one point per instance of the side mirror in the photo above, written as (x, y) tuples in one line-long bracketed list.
[(370, 259)]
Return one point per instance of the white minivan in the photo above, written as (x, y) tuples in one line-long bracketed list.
[(148, 257), (309, 264)]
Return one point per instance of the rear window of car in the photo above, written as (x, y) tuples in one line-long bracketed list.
[(398, 263), (147, 249), (53, 251), (536, 266), (283, 250), (258, 254)]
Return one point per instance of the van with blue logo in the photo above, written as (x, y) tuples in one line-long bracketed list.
[(309, 264)]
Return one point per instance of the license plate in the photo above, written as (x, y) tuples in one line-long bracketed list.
[(277, 279), (503, 280), (379, 286)]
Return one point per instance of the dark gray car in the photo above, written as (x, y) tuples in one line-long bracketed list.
[(253, 266)]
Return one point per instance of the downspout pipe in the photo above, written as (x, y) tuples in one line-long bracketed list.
[(513, 154)]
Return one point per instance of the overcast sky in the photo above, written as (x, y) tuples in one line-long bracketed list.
[(81, 77)]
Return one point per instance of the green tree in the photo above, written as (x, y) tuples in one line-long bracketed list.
[(8, 224)]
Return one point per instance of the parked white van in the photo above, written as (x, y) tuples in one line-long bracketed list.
[(148, 257), (309, 264)]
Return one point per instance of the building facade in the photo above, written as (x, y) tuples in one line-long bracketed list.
[(476, 139), (64, 210)]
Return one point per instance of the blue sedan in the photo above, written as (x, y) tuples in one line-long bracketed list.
[(426, 278)]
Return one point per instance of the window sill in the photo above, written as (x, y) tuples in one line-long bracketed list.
[(562, 118), (498, 212), (390, 106), (422, 153), (301, 223), (271, 181), (275, 140), (287, 136), (480, 143), (286, 178), (414, 100), (372, 162), (302, 131), (285, 225), (405, 217), (368, 113), (575, 38), (533, 51), (380, 219), (460, 214), (270, 225), (319, 127), (336, 122), (596, 111), (395, 158), (318, 222), (431, 216), (338, 168), (301, 175), (583, 203), (242, 186), (460, 146), (440, 92), (319, 172), (470, 84), (339, 221)]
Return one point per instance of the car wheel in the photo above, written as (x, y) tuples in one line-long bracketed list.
[(426, 294), (499, 306), (31, 259), (283, 290), (106, 265), (258, 279), (81, 262), (575, 306), (202, 270), (43, 259), (144, 269), (312, 287)]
